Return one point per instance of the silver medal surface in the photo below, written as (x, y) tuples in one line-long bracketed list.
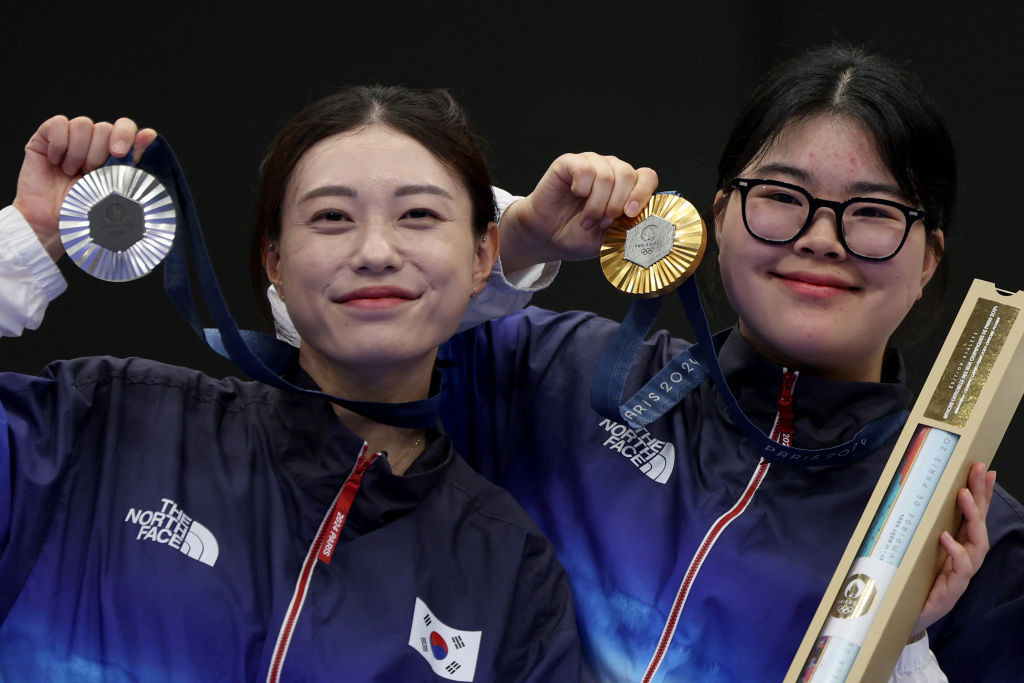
[(117, 223)]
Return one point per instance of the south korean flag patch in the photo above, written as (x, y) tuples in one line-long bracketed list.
[(451, 653)]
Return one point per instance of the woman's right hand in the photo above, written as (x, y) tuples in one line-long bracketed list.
[(565, 216), (60, 153)]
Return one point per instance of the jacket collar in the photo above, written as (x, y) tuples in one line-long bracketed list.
[(826, 412), (317, 452)]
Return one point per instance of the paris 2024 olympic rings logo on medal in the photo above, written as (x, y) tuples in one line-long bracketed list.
[(649, 242)]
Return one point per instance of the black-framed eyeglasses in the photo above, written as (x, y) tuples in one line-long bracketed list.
[(868, 228)]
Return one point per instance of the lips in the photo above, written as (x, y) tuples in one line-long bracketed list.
[(816, 284), (376, 297)]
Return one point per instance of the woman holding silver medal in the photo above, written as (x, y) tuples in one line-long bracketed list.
[(157, 524), (690, 557)]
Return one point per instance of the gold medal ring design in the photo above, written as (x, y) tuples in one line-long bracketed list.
[(656, 251), (117, 223)]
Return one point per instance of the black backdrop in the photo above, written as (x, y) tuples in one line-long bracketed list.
[(656, 84)]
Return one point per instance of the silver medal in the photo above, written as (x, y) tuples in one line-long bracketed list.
[(117, 223)]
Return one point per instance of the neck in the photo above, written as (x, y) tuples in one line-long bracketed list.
[(824, 365), (391, 383), (381, 382)]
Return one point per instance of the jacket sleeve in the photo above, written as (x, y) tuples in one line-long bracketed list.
[(518, 379), (505, 380), (979, 640), (31, 477), (917, 664), (506, 295), (35, 451), (29, 279), (542, 642)]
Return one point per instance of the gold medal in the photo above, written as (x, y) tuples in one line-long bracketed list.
[(656, 251)]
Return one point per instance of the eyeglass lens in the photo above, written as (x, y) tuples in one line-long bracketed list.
[(870, 229)]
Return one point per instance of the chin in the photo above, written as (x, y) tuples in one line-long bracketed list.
[(815, 351), (376, 356)]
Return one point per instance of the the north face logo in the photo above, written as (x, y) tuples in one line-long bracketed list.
[(653, 457), (171, 526)]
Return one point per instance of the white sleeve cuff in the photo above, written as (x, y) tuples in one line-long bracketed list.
[(503, 296), (29, 279), (530, 279), (917, 664)]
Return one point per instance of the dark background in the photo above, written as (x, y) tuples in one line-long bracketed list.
[(656, 84)]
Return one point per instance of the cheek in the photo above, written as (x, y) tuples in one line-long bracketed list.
[(305, 265), (447, 261), (736, 254)]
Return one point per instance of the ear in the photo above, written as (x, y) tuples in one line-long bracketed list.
[(485, 256), (932, 257), (718, 209), (272, 265)]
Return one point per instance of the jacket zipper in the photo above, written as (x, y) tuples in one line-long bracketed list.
[(321, 549), (782, 432)]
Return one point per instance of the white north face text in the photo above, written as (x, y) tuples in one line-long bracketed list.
[(653, 457), (171, 526)]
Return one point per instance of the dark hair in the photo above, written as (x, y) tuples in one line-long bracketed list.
[(431, 117), (910, 137)]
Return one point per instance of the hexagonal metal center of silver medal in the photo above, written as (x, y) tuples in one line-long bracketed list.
[(116, 222), (649, 241)]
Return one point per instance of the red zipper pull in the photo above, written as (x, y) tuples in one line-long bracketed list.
[(783, 431)]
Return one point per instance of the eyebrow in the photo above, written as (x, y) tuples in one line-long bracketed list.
[(406, 190), (328, 191), (346, 191), (858, 188)]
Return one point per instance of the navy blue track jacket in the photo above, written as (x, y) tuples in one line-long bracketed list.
[(156, 524), (690, 559)]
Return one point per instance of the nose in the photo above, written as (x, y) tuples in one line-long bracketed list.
[(821, 238), (377, 249)]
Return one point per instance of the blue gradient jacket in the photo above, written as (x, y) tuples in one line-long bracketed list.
[(156, 524), (690, 560)]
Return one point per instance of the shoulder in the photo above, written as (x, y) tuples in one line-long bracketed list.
[(487, 501), (579, 335), (132, 377), (537, 321)]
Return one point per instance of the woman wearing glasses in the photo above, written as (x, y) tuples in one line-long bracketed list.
[(690, 557)]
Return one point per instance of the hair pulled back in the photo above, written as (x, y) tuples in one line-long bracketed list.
[(432, 117)]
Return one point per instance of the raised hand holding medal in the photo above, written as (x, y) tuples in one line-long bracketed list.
[(59, 153)]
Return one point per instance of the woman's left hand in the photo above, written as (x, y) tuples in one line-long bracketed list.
[(966, 552), (565, 216)]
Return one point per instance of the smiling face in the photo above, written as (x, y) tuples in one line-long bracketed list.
[(377, 258), (808, 304)]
